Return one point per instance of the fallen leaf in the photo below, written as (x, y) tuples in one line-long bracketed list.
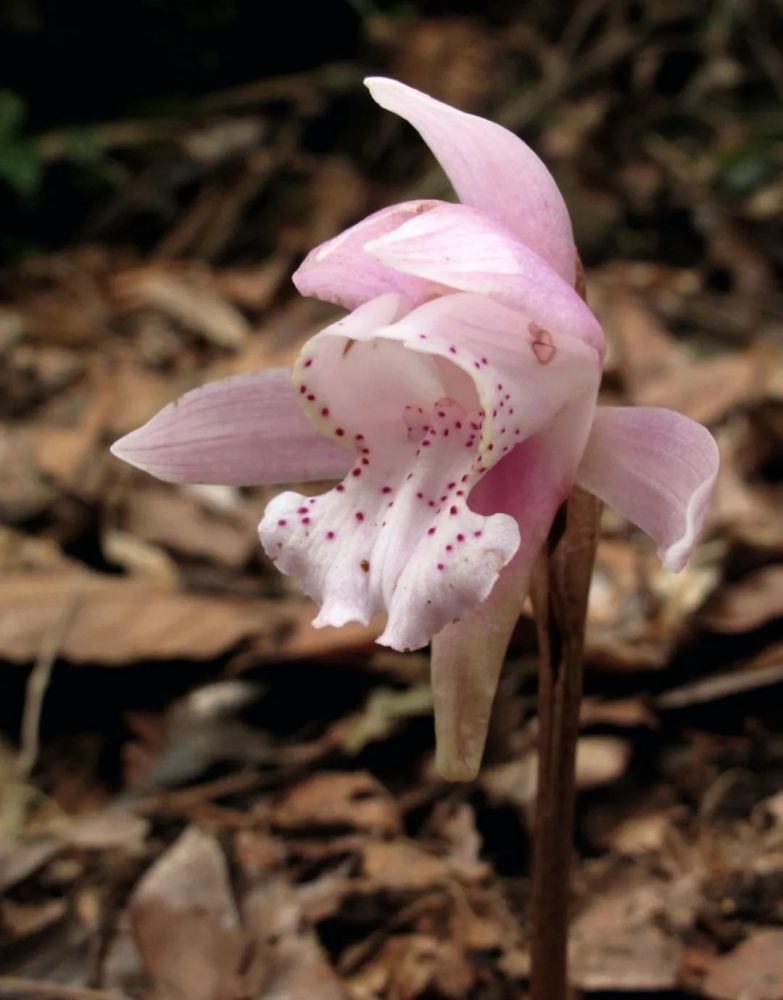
[(117, 620), (334, 799), (752, 971)]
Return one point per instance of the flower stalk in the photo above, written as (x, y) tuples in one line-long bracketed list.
[(561, 584)]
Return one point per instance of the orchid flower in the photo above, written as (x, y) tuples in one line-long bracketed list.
[(456, 403)]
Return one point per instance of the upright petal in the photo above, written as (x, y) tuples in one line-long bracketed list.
[(430, 401), (491, 169), (340, 271), (529, 484), (655, 467), (238, 431), (461, 248)]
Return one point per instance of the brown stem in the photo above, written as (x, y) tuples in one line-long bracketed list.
[(560, 589)]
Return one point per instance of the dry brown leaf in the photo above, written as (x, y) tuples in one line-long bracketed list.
[(743, 606), (185, 921), (352, 800), (624, 938), (175, 519), (752, 971), (117, 620), (186, 295), (412, 965)]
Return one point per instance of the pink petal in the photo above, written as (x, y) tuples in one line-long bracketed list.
[(428, 413), (491, 169), (339, 271), (467, 657), (655, 467), (238, 431), (461, 248)]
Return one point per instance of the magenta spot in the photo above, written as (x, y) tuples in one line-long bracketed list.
[(282, 522), (453, 511), (444, 498), (477, 534), (308, 362), (365, 461), (312, 499), (476, 365), (303, 389), (301, 510), (446, 433), (430, 531), (359, 516), (339, 432), (500, 386), (390, 503), (450, 486), (449, 548), (458, 425), (305, 520), (426, 444), (420, 495), (422, 336), (356, 472), (460, 493), (386, 489), (460, 538), (325, 411), (484, 361), (360, 437), (330, 535), (430, 503), (339, 488), (464, 478), (490, 447), (441, 566), (516, 430), (310, 397), (452, 349), (441, 413)]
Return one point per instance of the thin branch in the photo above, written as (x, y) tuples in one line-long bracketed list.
[(37, 685)]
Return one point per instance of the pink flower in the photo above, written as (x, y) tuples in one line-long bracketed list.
[(456, 402)]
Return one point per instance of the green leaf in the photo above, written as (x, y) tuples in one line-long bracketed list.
[(12, 113), (21, 167)]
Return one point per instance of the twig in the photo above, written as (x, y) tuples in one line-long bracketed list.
[(560, 590), (37, 684), (12, 988)]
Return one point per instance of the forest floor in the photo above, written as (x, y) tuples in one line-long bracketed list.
[(204, 798)]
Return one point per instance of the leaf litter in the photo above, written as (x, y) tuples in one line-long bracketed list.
[(244, 807)]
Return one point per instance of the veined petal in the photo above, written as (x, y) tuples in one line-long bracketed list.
[(340, 271), (431, 402), (462, 248), (238, 431), (655, 467), (529, 484), (491, 169)]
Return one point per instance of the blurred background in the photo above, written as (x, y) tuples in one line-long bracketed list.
[(201, 796)]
